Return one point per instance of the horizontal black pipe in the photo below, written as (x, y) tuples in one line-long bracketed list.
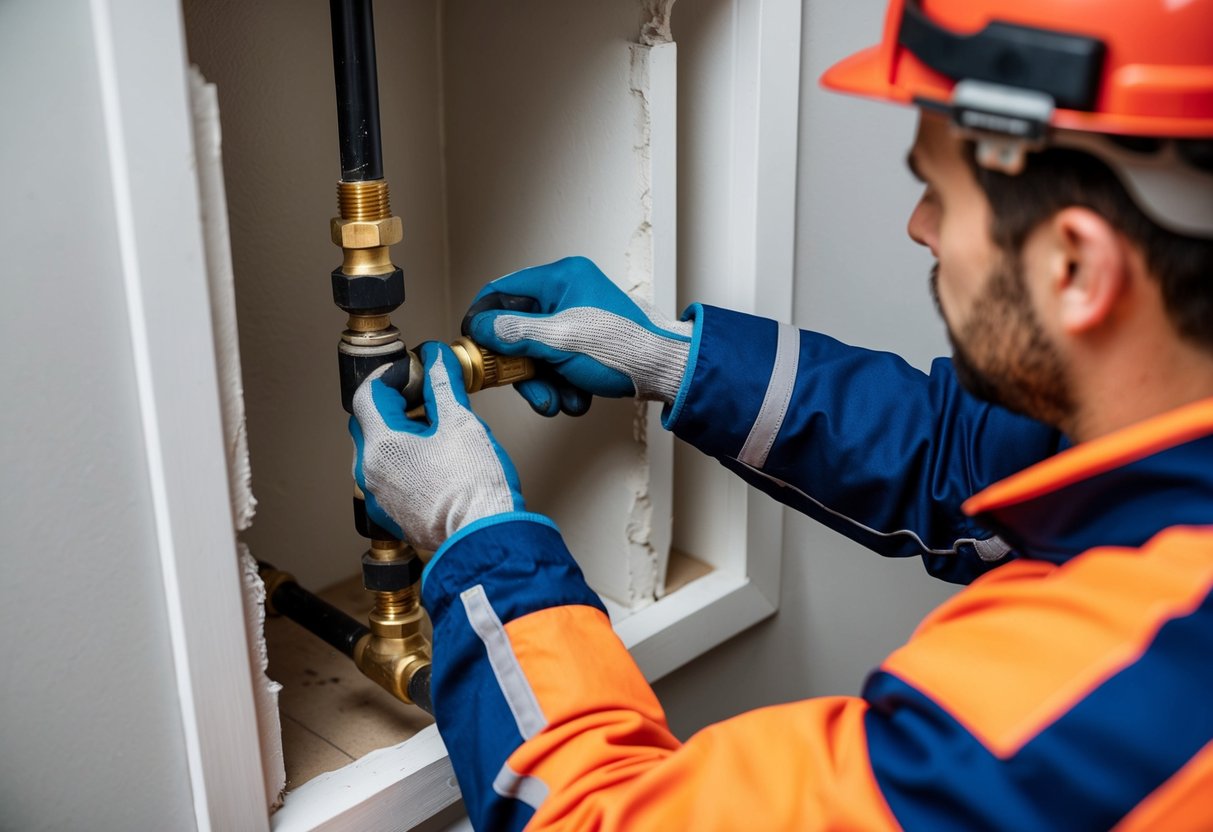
[(317, 616), (357, 90)]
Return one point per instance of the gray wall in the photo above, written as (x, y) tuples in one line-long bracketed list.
[(860, 279), (90, 731)]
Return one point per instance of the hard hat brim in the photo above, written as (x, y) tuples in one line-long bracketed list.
[(868, 73)]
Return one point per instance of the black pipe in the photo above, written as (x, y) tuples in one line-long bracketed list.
[(357, 90), (419, 689), (316, 615)]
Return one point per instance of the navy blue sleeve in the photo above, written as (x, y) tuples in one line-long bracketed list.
[(857, 439)]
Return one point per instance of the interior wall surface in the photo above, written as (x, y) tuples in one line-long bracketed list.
[(90, 726), (542, 137), (272, 62), (858, 278)]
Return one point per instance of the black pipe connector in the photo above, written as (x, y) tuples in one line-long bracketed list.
[(368, 294), (390, 575), (419, 689), (367, 527), (316, 615), (356, 363)]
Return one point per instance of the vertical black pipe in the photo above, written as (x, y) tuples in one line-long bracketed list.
[(357, 90)]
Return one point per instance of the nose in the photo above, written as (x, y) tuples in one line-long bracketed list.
[(923, 226)]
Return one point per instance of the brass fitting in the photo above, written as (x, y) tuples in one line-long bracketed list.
[(482, 368), (272, 578), (396, 648), (366, 228), (366, 233)]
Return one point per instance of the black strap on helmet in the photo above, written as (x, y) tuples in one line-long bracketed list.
[(1064, 66)]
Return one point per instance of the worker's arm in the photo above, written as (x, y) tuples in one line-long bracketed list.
[(546, 718), (861, 441), (857, 439), (994, 716), (549, 722)]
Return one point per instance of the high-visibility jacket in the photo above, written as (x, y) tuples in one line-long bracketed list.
[(1068, 686)]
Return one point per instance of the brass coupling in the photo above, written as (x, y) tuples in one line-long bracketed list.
[(396, 648), (482, 368), (366, 229)]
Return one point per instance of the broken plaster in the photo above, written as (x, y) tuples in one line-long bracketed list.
[(643, 561), (222, 291), (656, 30)]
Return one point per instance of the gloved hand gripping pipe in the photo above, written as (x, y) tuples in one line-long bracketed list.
[(368, 287)]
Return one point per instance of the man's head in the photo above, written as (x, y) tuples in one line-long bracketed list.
[(1067, 259), (1036, 271)]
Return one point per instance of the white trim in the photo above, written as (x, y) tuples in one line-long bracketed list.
[(141, 72), (663, 191), (392, 788), (766, 112), (687, 623)]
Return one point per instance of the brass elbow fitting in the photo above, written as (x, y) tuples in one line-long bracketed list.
[(396, 649)]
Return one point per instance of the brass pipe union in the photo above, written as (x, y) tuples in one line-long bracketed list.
[(482, 368), (396, 647), (366, 233), (391, 665)]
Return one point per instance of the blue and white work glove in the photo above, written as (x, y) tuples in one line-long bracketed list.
[(594, 339), (426, 480)]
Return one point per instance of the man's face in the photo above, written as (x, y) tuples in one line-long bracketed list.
[(1000, 350)]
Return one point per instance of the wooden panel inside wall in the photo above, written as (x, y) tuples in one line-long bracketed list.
[(331, 713)]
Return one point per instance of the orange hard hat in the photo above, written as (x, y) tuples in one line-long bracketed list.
[(1018, 75), (1128, 67)]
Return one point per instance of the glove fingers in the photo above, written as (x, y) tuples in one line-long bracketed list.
[(547, 284), (541, 394), (573, 400), (483, 330), (443, 389), (375, 401), (488, 301)]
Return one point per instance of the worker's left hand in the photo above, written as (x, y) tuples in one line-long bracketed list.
[(426, 479)]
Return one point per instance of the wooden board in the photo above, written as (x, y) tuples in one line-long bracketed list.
[(331, 713)]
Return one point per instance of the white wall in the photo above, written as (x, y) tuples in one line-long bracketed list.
[(859, 279), (541, 133), (90, 727)]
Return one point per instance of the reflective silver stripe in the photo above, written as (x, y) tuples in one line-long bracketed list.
[(514, 685), (775, 402), (992, 548), (530, 790), (991, 545)]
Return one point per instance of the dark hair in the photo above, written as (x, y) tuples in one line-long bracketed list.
[(1059, 178)]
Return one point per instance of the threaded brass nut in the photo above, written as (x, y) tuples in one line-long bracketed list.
[(367, 233)]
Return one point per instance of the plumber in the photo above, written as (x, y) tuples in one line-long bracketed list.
[(1059, 464)]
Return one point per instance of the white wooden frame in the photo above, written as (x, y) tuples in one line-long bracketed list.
[(141, 66), (141, 58)]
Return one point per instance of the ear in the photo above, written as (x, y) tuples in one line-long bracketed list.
[(1090, 269)]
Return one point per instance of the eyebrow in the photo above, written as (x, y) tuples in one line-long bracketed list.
[(915, 171)]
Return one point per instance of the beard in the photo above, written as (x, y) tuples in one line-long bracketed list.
[(1002, 355)]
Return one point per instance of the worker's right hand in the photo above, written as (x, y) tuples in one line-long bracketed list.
[(592, 337)]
